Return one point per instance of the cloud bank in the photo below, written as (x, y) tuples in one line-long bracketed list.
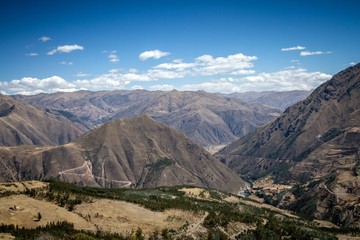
[(284, 80), (232, 73)]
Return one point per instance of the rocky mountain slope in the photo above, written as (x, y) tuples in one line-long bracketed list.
[(137, 152), (21, 123), (208, 119), (315, 141), (280, 100)]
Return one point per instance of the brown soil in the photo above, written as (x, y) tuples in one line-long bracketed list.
[(260, 205), (6, 236), (267, 184), (123, 217), (21, 186), (22, 210)]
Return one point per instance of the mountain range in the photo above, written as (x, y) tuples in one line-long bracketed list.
[(208, 119), (313, 147), (314, 144), (21, 123), (138, 152), (280, 100)]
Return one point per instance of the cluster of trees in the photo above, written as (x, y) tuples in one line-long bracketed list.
[(160, 199), (276, 229), (65, 230), (62, 198)]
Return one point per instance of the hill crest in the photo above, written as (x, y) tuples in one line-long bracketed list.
[(136, 152)]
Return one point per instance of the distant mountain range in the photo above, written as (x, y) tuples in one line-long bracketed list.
[(314, 144), (208, 119), (21, 123), (280, 100), (138, 152)]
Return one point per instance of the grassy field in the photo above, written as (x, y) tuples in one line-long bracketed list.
[(65, 211)]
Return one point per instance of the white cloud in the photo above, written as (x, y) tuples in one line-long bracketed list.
[(81, 74), (284, 80), (33, 54), (243, 72), (156, 54), (29, 85), (228, 74), (207, 65), (114, 70), (293, 48), (66, 63), (134, 77), (44, 39), (164, 87), (156, 74), (307, 53), (289, 67), (65, 49), (176, 64), (113, 58)]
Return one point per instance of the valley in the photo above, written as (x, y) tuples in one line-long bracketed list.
[(143, 176), (179, 120), (310, 153)]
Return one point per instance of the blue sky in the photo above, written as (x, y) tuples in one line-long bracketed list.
[(216, 46)]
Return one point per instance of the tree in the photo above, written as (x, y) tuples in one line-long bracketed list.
[(39, 216)]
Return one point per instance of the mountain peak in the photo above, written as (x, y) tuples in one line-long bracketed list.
[(138, 152)]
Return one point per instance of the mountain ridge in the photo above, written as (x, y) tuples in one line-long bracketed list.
[(317, 139), (277, 99), (21, 123), (206, 118), (136, 152)]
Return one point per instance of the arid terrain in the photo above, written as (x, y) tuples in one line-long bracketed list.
[(179, 120), (208, 119), (137, 152), (26, 200), (21, 123), (313, 147), (280, 100)]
